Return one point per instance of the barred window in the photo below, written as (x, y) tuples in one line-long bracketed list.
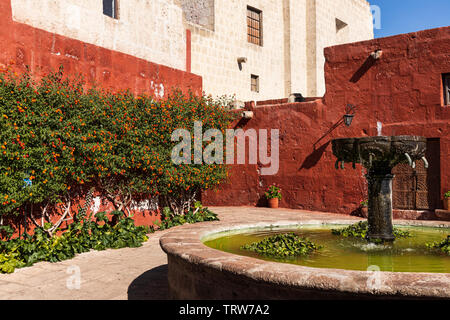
[(446, 85), (110, 8), (254, 83), (254, 26)]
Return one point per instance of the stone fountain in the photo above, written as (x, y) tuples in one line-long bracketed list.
[(379, 155)]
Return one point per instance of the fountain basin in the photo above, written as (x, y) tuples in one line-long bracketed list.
[(199, 272), (407, 254)]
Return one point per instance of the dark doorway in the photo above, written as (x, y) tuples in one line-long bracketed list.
[(419, 188)]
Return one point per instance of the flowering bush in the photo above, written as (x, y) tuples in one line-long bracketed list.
[(273, 192), (59, 141), (36, 160)]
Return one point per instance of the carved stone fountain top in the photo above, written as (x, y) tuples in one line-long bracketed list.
[(380, 152), (379, 155)]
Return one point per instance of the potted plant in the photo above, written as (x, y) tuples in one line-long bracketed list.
[(447, 200), (273, 196), (364, 207)]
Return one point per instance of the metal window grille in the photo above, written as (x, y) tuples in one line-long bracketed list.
[(254, 26)]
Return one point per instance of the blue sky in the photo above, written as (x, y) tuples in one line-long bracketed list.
[(403, 16)]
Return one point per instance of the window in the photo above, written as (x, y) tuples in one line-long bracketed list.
[(254, 26), (254, 83), (446, 85), (110, 8)]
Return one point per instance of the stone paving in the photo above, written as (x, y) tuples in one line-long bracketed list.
[(106, 275), (130, 273)]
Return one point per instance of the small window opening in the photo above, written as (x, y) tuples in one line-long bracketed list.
[(446, 85), (110, 8), (254, 83)]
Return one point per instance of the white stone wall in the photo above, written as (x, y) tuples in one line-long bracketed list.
[(215, 53), (151, 30), (291, 60), (200, 12), (299, 50), (358, 17)]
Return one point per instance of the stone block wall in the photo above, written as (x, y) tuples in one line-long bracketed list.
[(290, 60), (215, 51), (200, 12)]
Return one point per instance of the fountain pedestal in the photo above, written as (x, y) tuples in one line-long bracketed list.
[(379, 155), (380, 207)]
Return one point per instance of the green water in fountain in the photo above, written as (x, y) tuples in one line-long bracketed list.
[(404, 255)]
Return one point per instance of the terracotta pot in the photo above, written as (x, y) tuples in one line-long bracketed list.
[(365, 212), (273, 203), (447, 203)]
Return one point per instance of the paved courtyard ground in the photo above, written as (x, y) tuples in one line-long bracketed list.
[(130, 273)]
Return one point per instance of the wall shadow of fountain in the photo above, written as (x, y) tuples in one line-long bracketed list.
[(151, 285)]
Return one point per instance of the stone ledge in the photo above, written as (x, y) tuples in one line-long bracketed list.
[(415, 214), (443, 215)]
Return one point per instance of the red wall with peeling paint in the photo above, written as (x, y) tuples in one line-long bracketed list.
[(43, 52), (403, 90)]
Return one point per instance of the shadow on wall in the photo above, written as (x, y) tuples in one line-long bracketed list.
[(151, 285), (241, 123), (312, 160), (262, 202), (370, 61)]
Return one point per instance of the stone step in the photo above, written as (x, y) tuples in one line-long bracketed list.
[(443, 215)]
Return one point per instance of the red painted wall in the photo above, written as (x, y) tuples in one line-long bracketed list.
[(403, 90), (22, 45), (39, 50)]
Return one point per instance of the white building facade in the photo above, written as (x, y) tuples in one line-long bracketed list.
[(254, 49)]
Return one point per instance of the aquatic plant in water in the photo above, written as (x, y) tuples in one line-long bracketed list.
[(360, 229), (282, 246), (443, 246)]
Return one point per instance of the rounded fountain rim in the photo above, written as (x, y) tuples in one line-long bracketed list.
[(186, 243)]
